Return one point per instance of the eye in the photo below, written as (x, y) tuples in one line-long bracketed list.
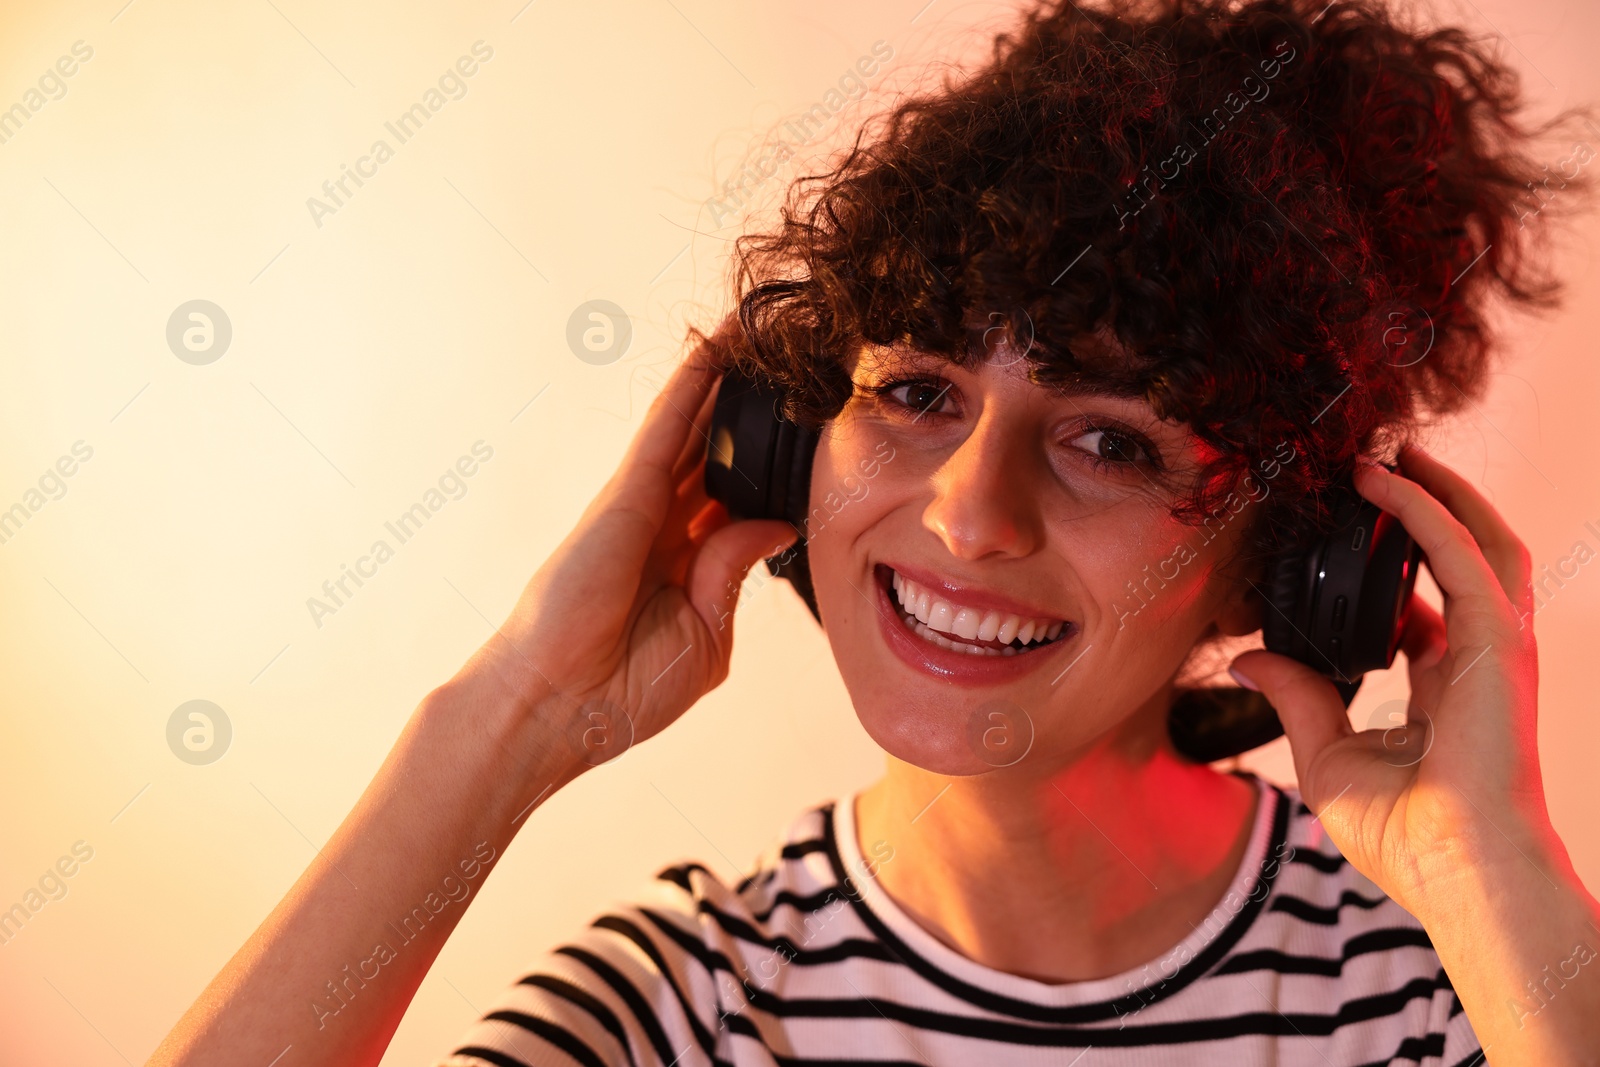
[(921, 395), (1110, 447)]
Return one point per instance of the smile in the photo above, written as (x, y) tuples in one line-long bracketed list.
[(966, 629), (966, 644)]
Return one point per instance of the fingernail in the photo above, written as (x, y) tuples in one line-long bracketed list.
[(1243, 679)]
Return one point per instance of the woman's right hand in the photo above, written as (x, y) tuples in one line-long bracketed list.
[(630, 620)]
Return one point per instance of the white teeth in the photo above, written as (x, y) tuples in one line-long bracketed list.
[(940, 617), (966, 623), (955, 646), (989, 627)]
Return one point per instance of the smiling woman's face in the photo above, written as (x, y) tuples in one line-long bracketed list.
[(966, 508)]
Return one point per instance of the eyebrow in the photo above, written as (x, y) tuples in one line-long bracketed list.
[(896, 359), (1099, 389)]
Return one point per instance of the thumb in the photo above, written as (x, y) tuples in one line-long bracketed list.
[(1308, 705), (719, 568)]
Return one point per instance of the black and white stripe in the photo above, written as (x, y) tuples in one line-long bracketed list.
[(1306, 963)]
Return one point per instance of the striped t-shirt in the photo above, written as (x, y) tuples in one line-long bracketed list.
[(806, 961)]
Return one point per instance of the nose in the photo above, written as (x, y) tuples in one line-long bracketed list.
[(985, 498)]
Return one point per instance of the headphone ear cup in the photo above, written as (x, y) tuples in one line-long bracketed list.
[(796, 450), (758, 465), (797, 570), (1288, 596)]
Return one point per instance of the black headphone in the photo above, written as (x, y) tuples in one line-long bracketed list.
[(1336, 602)]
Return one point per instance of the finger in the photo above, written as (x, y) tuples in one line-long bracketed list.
[(690, 505), (714, 351), (695, 446), (628, 515), (1423, 640), (692, 487), (719, 568), (707, 521), (1425, 644), (687, 529), (1308, 705), (669, 423), (1453, 556), (1504, 550)]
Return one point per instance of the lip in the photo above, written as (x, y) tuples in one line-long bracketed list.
[(957, 668), (969, 596)]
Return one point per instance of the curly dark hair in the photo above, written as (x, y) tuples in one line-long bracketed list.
[(1255, 202)]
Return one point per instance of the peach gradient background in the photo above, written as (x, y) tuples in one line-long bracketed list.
[(416, 320)]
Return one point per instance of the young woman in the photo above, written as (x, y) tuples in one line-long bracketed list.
[(1052, 320)]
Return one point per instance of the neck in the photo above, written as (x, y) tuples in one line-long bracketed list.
[(1080, 871)]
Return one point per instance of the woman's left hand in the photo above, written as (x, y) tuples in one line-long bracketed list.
[(1459, 783)]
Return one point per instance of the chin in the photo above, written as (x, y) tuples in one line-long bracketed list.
[(937, 738), (918, 705)]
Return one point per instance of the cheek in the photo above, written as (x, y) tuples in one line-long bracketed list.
[(1153, 583), (923, 724), (851, 491)]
